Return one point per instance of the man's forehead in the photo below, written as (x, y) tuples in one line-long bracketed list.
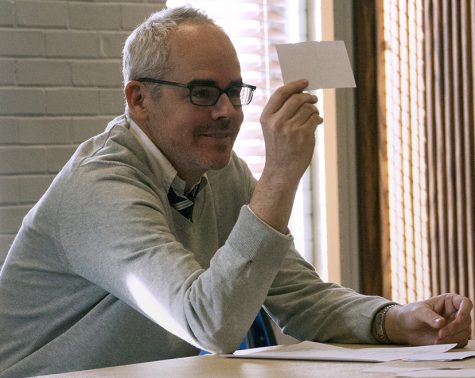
[(203, 52), (199, 40)]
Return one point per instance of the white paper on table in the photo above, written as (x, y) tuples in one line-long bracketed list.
[(308, 350), (324, 64), (452, 356)]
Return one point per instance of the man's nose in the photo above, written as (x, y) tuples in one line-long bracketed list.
[(224, 107)]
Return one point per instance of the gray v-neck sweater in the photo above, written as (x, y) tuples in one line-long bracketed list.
[(105, 272)]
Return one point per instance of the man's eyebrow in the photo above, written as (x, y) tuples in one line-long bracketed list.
[(202, 82), (213, 82)]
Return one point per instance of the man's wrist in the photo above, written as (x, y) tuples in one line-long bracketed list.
[(378, 327)]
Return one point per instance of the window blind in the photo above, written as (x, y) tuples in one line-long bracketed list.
[(429, 118), (406, 150)]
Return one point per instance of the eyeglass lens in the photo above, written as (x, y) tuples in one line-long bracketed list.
[(209, 95)]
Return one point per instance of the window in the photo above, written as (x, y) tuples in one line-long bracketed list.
[(404, 84), (426, 139), (255, 27)]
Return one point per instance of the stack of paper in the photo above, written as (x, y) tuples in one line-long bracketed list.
[(308, 350)]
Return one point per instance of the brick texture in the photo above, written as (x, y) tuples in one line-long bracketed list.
[(60, 83)]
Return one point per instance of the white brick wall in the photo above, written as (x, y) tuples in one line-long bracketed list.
[(60, 83)]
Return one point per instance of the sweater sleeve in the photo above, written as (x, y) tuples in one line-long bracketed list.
[(115, 232), (307, 308)]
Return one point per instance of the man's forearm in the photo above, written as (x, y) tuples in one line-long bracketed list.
[(272, 202)]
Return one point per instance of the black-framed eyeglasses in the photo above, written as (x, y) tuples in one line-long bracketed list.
[(205, 93)]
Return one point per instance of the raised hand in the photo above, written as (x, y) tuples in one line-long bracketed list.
[(288, 122)]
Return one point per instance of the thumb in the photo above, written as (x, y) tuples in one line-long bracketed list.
[(431, 318)]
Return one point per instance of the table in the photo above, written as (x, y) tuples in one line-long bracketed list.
[(213, 366)]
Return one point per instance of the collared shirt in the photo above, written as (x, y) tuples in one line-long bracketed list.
[(160, 163)]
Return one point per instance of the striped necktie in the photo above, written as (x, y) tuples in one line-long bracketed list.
[(183, 203)]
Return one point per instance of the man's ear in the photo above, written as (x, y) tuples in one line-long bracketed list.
[(135, 94)]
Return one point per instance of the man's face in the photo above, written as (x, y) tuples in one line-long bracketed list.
[(196, 138)]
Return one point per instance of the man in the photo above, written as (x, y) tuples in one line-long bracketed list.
[(113, 266)]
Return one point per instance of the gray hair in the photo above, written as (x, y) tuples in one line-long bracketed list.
[(146, 50)]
